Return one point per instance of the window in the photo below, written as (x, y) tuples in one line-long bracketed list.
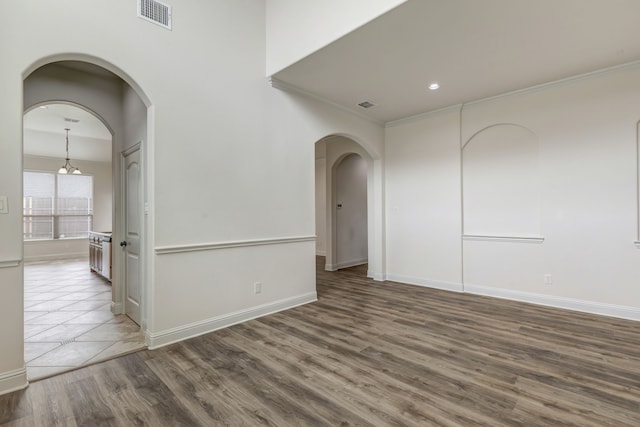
[(57, 206)]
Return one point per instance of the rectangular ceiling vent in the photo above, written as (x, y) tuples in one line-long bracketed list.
[(156, 12), (366, 104)]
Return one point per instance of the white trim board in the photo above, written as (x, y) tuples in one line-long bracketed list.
[(375, 275), (592, 307), (170, 336), (351, 263), (13, 380), (514, 239), (117, 307), (7, 263), (279, 84), (421, 116), (526, 90), (331, 267), (161, 250), (436, 284), (65, 255)]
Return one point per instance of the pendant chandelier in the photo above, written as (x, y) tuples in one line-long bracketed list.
[(67, 167)]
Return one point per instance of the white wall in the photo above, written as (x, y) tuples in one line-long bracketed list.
[(582, 177), (134, 118), (102, 208), (588, 192), (350, 180), (321, 199), (296, 28), (230, 160), (424, 219), (501, 182)]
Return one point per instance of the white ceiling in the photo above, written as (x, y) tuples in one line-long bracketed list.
[(52, 119), (44, 133), (474, 49), (89, 138)]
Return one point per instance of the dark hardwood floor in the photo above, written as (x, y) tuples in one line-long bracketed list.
[(367, 353)]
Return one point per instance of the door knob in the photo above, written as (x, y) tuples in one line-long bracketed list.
[(123, 243)]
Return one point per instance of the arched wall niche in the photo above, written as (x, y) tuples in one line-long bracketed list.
[(501, 182)]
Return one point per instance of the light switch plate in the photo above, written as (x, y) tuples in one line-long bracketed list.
[(4, 205)]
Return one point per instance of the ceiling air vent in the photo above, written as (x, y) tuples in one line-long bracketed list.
[(156, 12), (366, 104)]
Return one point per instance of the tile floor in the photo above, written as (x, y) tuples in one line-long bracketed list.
[(68, 321)]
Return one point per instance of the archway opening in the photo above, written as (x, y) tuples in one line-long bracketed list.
[(343, 170), (80, 316)]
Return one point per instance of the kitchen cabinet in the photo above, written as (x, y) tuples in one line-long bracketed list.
[(100, 253)]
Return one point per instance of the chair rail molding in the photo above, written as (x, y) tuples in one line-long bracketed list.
[(160, 250), (512, 239), (7, 263)]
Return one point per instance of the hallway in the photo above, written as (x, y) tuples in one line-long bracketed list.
[(68, 319)]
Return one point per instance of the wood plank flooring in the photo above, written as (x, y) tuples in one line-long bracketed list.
[(367, 353)]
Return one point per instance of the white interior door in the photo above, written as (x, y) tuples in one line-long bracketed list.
[(132, 232), (351, 212)]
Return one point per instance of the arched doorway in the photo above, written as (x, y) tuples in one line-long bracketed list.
[(119, 107), (343, 203)]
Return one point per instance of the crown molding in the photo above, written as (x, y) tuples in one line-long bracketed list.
[(279, 84), (554, 83), (160, 250), (422, 116), (513, 93)]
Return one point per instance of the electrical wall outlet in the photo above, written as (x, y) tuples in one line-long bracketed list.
[(257, 288), (548, 279), (4, 205)]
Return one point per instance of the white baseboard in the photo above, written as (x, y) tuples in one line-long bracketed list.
[(321, 253), (13, 380), (352, 263), (117, 307), (378, 277), (447, 286), (331, 267), (624, 312), (170, 336), (51, 257)]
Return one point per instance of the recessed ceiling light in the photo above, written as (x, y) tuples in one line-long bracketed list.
[(434, 86), (43, 106)]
